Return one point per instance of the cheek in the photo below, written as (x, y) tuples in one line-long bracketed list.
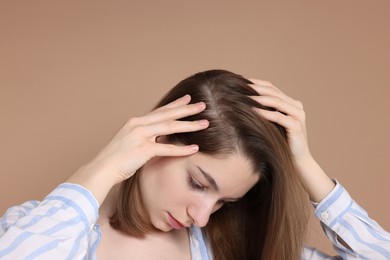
[(171, 187), (167, 184)]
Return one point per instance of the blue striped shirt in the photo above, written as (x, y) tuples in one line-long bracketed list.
[(63, 226)]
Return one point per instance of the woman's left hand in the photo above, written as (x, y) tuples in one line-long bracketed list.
[(289, 114)]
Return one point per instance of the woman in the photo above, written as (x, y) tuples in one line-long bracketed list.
[(219, 170)]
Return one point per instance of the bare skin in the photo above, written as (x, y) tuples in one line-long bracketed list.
[(158, 245), (135, 144), (166, 189), (315, 179)]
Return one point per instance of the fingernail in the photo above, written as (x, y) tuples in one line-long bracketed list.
[(203, 122), (194, 147), (185, 97), (201, 104)]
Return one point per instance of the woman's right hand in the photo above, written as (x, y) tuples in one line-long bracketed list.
[(135, 143)]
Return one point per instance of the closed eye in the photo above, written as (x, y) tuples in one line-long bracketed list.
[(194, 184)]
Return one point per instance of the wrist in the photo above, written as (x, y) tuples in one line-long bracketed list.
[(96, 180), (316, 181), (302, 161)]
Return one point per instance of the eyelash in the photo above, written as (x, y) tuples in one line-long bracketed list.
[(196, 186)]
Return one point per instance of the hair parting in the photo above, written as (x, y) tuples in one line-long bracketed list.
[(270, 221)]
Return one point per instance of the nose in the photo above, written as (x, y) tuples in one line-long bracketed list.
[(201, 211)]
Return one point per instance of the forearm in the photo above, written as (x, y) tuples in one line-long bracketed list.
[(98, 181), (289, 114), (317, 183), (136, 143)]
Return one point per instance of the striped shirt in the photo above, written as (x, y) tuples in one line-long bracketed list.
[(63, 226)]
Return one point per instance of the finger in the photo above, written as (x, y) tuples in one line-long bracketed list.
[(261, 82), (264, 87), (291, 124), (184, 100), (271, 91), (264, 83), (173, 113), (172, 127), (174, 150), (281, 105)]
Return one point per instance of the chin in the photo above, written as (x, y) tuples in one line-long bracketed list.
[(162, 227), (165, 230)]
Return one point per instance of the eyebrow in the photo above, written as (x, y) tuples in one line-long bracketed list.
[(209, 179)]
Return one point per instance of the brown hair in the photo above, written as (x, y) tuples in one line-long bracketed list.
[(270, 221)]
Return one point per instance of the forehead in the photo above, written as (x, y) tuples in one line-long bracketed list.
[(233, 173)]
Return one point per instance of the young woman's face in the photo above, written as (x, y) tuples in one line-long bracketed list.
[(180, 191)]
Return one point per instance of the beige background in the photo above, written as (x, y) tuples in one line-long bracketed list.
[(72, 72)]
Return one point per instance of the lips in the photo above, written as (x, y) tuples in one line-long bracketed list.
[(174, 222)]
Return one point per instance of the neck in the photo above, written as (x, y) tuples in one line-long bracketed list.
[(109, 204)]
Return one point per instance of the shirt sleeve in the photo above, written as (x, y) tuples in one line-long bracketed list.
[(56, 228), (342, 219)]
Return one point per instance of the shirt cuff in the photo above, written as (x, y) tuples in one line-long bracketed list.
[(334, 205), (78, 198)]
